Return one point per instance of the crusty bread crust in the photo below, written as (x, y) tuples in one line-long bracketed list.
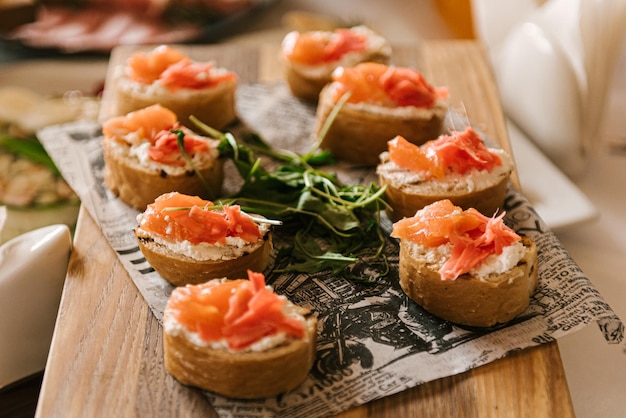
[(405, 201), (468, 300), (137, 186), (244, 375), (360, 134), (181, 270), (303, 87), (213, 106)]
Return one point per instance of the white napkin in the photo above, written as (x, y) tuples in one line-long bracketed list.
[(32, 272), (554, 63)]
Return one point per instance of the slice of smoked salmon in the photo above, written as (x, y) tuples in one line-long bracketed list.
[(175, 70), (178, 217), (144, 122), (385, 85), (412, 157), (194, 75), (148, 67), (159, 126), (407, 87), (312, 48), (463, 151), (240, 224), (362, 82), (473, 236), (202, 309), (458, 153), (417, 228), (240, 311), (165, 148)]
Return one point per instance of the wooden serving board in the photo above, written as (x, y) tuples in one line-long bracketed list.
[(106, 357)]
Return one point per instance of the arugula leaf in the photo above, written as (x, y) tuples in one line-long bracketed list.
[(336, 224), (306, 248)]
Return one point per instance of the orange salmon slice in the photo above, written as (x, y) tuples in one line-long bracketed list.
[(179, 217), (175, 70), (238, 311), (473, 236), (458, 152), (386, 85), (313, 48), (145, 122)]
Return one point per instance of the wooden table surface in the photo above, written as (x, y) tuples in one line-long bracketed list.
[(106, 356)]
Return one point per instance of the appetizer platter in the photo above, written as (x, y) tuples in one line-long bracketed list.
[(373, 341)]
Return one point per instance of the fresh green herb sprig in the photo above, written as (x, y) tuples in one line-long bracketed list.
[(334, 222), (254, 218), (180, 142)]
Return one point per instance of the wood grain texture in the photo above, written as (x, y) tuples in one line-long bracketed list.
[(106, 357)]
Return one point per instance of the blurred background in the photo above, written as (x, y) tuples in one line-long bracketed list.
[(564, 97)]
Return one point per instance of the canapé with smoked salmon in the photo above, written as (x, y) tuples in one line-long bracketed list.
[(189, 240), (237, 338), (167, 76), (458, 166), (381, 102), (148, 152), (309, 58), (465, 267)]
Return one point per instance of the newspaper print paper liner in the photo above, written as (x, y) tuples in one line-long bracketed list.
[(373, 341)]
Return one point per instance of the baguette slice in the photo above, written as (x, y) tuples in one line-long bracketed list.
[(213, 106), (179, 269), (360, 131), (140, 83), (407, 191), (307, 80), (138, 185), (143, 158), (187, 242), (469, 300), (244, 374)]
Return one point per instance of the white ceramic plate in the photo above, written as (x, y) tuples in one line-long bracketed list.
[(559, 202)]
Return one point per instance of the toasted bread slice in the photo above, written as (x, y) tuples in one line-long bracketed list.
[(360, 132), (307, 80), (213, 106), (138, 185), (179, 269), (468, 300), (244, 375), (406, 192)]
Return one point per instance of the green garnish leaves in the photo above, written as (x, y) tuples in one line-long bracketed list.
[(314, 258), (336, 225)]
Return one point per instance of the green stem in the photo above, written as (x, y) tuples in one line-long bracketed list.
[(220, 207), (327, 124), (180, 141)]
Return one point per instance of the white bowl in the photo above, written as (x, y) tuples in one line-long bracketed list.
[(33, 267)]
